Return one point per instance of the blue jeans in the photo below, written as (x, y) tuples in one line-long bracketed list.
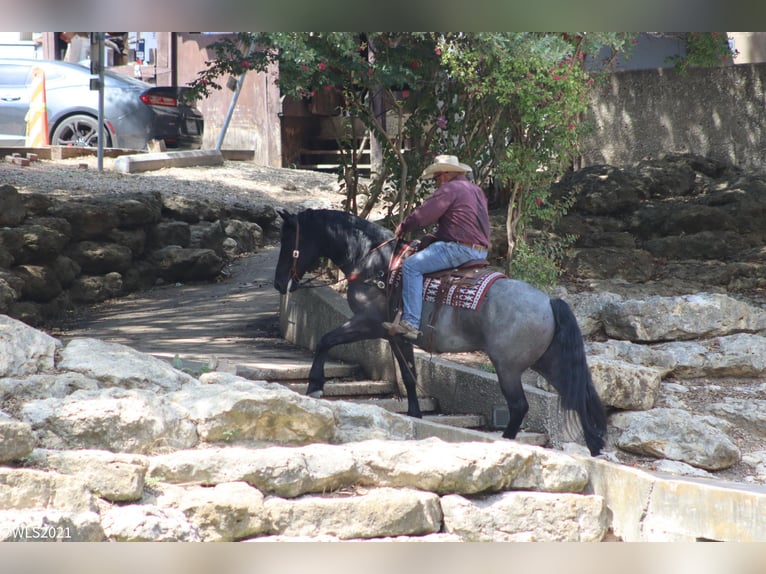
[(437, 256)]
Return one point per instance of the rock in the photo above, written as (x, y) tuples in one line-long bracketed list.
[(249, 236), (137, 210), (208, 235), (608, 262), (115, 365), (12, 209), (625, 385), (188, 209), (526, 517), (40, 242), (24, 350), (746, 414), (680, 318), (681, 469), (147, 523), (133, 239), (703, 245), (676, 435), (22, 488), (95, 289), (247, 410), (50, 526), (168, 233), (40, 283), (186, 264), (112, 476), (99, 257), (16, 440), (226, 512), (442, 468), (8, 295), (356, 422), (282, 471), (587, 308), (44, 386), (603, 189), (365, 514), (117, 420), (742, 355), (89, 219)]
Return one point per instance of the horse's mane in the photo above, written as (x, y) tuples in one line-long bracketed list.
[(342, 223)]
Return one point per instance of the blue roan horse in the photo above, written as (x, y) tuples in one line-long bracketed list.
[(517, 326)]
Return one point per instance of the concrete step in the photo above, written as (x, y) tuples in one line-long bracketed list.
[(345, 389), (292, 371), (460, 421), (533, 438), (398, 405)]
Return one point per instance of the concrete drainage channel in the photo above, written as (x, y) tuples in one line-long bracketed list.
[(644, 506)]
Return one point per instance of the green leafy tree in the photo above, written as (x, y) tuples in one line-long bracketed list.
[(704, 50), (509, 104)]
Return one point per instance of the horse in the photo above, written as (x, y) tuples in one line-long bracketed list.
[(518, 326)]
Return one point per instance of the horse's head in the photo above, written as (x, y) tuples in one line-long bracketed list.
[(298, 253)]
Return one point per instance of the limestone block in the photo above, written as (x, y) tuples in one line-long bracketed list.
[(526, 517), (363, 514)]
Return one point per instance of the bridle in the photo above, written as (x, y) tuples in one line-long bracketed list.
[(294, 275)]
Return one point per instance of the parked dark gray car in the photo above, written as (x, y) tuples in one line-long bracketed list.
[(135, 112)]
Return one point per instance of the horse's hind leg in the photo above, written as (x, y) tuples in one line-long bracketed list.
[(513, 391)]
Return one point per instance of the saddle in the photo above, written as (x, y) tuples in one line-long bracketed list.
[(464, 286)]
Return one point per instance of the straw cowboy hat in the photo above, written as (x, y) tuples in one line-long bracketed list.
[(444, 163)]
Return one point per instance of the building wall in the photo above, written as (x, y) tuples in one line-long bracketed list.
[(716, 112), (255, 122)]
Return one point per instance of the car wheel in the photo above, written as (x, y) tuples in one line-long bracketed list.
[(78, 130)]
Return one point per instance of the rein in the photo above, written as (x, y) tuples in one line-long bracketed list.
[(294, 275)]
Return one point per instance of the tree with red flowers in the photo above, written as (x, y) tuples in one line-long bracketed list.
[(509, 104)]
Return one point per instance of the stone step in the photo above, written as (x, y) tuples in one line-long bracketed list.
[(345, 389)]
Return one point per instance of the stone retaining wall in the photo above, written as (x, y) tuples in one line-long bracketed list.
[(57, 251)]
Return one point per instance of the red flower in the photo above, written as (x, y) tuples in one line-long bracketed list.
[(405, 94), (322, 66), (245, 64), (539, 201), (438, 51), (414, 64)]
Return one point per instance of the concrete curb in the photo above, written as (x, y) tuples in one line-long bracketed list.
[(137, 163), (644, 506)]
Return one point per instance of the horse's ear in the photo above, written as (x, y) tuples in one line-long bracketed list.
[(284, 214)]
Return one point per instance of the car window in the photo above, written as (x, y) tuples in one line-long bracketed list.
[(14, 75)]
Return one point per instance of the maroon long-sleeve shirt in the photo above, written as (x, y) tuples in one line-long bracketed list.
[(459, 208)]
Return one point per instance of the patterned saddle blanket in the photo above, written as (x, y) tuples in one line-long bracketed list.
[(465, 286)]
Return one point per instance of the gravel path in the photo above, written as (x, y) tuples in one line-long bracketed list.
[(237, 182)]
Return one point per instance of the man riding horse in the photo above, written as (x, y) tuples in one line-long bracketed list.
[(459, 209)]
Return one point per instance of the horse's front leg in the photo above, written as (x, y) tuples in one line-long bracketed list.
[(355, 329), (405, 357)]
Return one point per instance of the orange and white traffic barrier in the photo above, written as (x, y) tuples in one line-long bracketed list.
[(37, 116)]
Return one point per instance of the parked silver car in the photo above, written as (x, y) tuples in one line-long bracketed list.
[(135, 112)]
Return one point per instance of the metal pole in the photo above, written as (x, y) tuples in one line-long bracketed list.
[(100, 100), (232, 104)]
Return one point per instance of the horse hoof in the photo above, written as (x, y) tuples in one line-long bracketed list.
[(316, 394)]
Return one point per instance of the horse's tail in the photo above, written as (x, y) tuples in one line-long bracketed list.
[(570, 375)]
